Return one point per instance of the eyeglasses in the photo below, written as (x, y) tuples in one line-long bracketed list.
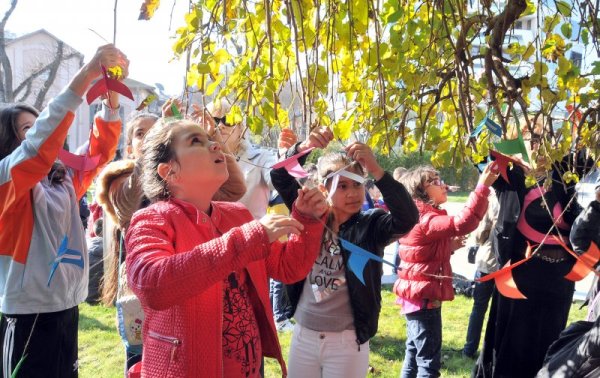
[(437, 182), (222, 120)]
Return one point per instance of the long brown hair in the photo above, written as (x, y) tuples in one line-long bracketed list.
[(9, 135), (157, 149), (110, 280)]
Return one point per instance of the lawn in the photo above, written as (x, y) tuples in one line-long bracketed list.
[(101, 353)]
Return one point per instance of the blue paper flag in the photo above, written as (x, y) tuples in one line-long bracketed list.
[(478, 129), (67, 256), (359, 258), (493, 126)]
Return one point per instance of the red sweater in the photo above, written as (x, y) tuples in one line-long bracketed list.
[(426, 248), (177, 259)]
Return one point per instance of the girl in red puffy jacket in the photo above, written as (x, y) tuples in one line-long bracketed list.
[(425, 275), (200, 267)]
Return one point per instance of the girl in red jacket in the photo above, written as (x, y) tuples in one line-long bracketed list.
[(200, 267), (425, 275)]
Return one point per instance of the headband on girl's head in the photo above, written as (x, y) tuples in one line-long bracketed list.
[(336, 178)]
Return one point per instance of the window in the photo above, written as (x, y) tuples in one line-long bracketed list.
[(529, 24), (576, 59), (519, 25)]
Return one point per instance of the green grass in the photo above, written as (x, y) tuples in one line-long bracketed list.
[(458, 196), (101, 352)]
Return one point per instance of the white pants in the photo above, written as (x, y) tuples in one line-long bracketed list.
[(316, 354)]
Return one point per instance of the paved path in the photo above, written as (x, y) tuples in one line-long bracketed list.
[(461, 266)]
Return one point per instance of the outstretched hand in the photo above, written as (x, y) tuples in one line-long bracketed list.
[(167, 108), (107, 56), (287, 138), (277, 226), (489, 175), (363, 154), (311, 202), (318, 138)]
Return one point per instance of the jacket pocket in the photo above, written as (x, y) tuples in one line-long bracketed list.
[(169, 341)]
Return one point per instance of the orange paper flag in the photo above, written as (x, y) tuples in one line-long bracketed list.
[(504, 279), (585, 262)]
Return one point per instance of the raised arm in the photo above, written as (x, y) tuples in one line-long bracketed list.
[(162, 278)]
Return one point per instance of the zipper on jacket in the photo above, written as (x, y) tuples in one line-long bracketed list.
[(175, 342)]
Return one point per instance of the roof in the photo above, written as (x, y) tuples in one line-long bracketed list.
[(42, 31)]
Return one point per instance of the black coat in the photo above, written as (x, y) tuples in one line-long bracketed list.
[(372, 230)]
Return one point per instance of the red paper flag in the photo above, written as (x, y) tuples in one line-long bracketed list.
[(502, 161), (104, 84)]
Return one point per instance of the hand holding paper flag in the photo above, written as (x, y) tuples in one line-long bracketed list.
[(104, 84), (502, 162)]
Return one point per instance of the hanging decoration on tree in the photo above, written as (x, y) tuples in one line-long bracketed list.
[(503, 162), (492, 126), (292, 166), (513, 146), (104, 84)]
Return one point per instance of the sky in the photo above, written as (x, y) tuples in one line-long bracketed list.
[(147, 44)]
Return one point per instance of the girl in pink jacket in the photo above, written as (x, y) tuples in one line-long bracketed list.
[(200, 267), (425, 275)]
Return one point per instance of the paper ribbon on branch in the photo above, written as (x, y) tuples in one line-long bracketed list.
[(81, 163), (502, 161), (66, 256), (103, 85), (585, 262), (147, 101), (359, 258), (504, 280), (513, 146), (292, 166)]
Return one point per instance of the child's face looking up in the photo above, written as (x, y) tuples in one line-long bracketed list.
[(200, 162)]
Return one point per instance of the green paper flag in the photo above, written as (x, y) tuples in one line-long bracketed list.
[(513, 146), (175, 111)]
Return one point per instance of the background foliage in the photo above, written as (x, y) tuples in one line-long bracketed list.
[(399, 69)]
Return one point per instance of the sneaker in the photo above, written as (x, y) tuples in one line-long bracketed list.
[(467, 355), (285, 326)]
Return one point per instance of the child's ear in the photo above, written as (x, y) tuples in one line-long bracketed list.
[(165, 170)]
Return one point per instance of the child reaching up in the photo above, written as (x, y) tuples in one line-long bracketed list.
[(425, 275), (201, 267), (44, 269), (336, 314)]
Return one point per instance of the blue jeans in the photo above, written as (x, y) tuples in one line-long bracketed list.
[(481, 298), (282, 309), (423, 344)]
